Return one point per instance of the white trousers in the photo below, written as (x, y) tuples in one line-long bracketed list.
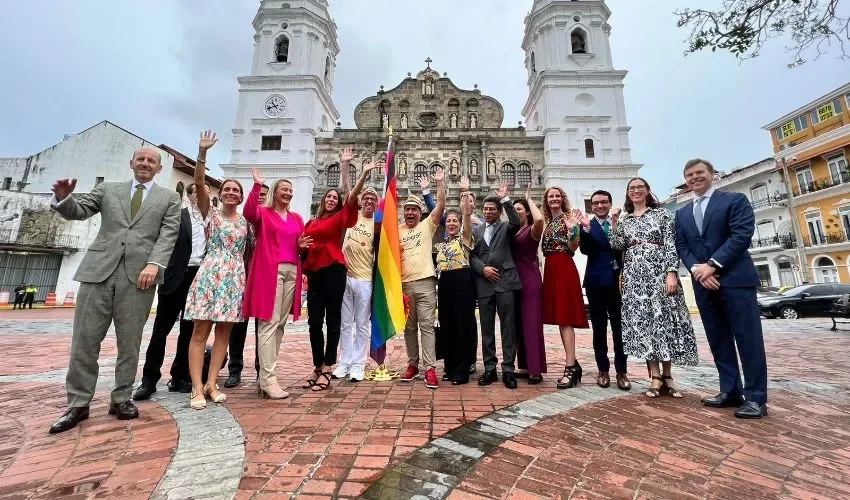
[(356, 329)]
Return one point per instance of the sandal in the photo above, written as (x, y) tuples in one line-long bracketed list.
[(322, 386), (654, 392), (215, 395), (670, 390), (196, 403), (312, 381)]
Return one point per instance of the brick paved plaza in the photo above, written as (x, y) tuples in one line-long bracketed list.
[(401, 440)]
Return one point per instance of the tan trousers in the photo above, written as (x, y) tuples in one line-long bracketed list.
[(271, 332), (423, 305)]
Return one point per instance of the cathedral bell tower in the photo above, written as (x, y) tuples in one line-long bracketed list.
[(575, 99), (286, 101)]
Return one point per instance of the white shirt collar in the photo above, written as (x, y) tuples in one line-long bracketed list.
[(708, 193), (147, 185), (606, 219)]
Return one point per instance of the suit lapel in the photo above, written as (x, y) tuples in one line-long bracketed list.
[(149, 201), (124, 196), (598, 232), (186, 225), (713, 203), (688, 217)]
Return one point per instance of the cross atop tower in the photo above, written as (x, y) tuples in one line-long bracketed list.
[(428, 61)]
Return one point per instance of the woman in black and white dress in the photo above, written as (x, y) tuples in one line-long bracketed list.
[(656, 322)]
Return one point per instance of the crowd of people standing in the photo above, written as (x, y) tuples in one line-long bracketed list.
[(216, 268)]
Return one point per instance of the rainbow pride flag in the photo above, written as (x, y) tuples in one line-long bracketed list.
[(388, 314)]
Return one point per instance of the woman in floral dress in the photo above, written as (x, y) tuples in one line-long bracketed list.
[(656, 322), (216, 293)]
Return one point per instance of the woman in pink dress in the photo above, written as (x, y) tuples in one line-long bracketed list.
[(274, 280), (532, 348)]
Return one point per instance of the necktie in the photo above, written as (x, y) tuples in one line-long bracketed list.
[(136, 202), (698, 213), (606, 226), (488, 234)]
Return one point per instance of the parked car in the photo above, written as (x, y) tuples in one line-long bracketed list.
[(803, 300)]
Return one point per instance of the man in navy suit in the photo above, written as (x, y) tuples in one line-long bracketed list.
[(713, 234), (602, 287)]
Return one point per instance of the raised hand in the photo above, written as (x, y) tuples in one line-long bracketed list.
[(466, 204), (424, 182), (367, 168), (63, 188), (503, 190), (615, 214), (258, 177), (464, 183), (583, 219), (207, 140), (439, 175), (528, 191), (346, 156)]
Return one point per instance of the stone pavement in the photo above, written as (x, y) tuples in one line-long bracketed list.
[(401, 440)]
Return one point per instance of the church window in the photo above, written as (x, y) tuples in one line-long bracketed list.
[(352, 174), (333, 176), (327, 67), (523, 175), (588, 149), (7, 183), (434, 167), (281, 50), (420, 171), (578, 41), (509, 174), (271, 143), (533, 66)]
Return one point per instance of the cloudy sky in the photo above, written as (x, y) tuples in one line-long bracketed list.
[(166, 69)]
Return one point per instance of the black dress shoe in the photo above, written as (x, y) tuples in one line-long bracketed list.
[(751, 409), (125, 410), (724, 400), (70, 419), (144, 391), (509, 380), (175, 385), (488, 377), (233, 380)]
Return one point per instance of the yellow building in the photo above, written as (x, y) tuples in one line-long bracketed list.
[(812, 143)]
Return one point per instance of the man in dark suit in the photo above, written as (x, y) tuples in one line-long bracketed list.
[(20, 293), (188, 253), (496, 281), (602, 286), (713, 234), (240, 330)]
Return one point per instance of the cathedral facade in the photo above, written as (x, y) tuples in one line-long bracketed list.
[(575, 133)]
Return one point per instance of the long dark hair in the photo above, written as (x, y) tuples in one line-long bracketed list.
[(320, 213), (528, 217), (651, 201)]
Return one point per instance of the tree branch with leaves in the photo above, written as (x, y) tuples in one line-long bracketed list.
[(743, 27)]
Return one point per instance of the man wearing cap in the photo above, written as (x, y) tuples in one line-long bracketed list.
[(358, 249), (419, 283)]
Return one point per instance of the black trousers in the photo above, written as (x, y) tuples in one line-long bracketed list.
[(458, 329), (324, 300), (28, 300), (169, 308), (606, 303), (503, 302), (237, 345), (19, 301)]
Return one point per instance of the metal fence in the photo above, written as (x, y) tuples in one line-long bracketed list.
[(41, 270), (44, 240)]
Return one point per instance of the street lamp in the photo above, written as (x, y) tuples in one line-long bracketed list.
[(795, 223)]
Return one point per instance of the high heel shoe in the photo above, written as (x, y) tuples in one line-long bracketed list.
[(572, 376), (272, 392), (197, 404), (218, 398)]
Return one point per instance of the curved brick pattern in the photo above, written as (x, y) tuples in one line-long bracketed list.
[(102, 458)]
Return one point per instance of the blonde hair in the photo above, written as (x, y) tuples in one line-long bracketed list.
[(270, 199), (565, 203)]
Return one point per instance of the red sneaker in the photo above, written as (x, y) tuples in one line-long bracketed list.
[(411, 373), (431, 381)]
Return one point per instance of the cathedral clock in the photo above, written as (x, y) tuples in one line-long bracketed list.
[(275, 106)]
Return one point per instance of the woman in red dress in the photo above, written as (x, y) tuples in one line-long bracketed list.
[(563, 303)]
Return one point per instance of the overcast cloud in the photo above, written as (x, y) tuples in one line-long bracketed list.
[(167, 69)]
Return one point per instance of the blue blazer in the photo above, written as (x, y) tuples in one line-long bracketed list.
[(727, 230), (601, 258)]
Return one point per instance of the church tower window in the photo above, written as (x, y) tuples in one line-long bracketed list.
[(333, 176), (327, 67), (271, 143), (533, 66), (588, 149), (578, 41), (281, 50)]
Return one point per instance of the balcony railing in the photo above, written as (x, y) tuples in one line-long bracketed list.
[(825, 239), (843, 177), (784, 241), (40, 240), (777, 200)]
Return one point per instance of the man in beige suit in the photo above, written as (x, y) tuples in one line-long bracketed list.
[(138, 229)]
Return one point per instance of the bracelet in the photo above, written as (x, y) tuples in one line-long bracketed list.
[(201, 161)]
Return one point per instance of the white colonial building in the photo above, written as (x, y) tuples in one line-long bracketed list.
[(576, 134), (39, 247), (774, 247)]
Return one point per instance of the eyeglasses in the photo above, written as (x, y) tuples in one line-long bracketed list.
[(599, 203), (633, 189)]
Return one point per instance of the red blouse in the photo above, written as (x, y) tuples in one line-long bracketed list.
[(327, 237)]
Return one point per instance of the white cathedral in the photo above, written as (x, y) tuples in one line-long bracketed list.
[(575, 133)]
